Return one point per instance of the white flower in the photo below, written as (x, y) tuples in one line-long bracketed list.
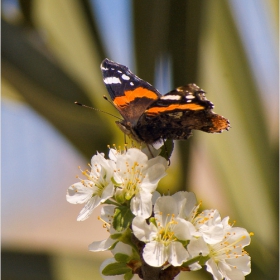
[(96, 189), (137, 178), (210, 226), (162, 237), (227, 258)]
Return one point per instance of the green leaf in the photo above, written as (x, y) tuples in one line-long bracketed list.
[(117, 268), (153, 220), (167, 149), (201, 259), (119, 257), (116, 235), (128, 275), (122, 218)]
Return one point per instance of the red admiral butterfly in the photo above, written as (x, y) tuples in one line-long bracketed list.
[(149, 116)]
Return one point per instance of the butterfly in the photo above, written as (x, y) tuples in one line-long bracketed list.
[(149, 116)]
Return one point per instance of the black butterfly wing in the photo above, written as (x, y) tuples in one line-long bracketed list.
[(130, 94), (175, 114)]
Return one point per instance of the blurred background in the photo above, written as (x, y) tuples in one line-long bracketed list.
[(51, 53)]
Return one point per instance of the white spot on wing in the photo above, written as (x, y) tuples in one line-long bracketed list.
[(171, 97), (112, 80), (131, 83), (190, 97), (119, 71), (104, 68), (125, 77)]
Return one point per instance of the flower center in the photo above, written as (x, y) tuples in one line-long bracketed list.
[(165, 232), (226, 249), (133, 177), (97, 178)]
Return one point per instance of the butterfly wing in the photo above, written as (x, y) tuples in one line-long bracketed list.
[(175, 114), (130, 94)]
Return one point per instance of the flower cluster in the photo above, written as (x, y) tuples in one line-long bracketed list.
[(161, 231), (125, 178), (181, 236)]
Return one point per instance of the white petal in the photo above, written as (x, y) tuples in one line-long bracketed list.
[(158, 160), (142, 230), (123, 249), (88, 208), (101, 166), (107, 192), (213, 234), (184, 230), (197, 247), (156, 165), (230, 272), (213, 269), (141, 204), (186, 203), (153, 173), (195, 266), (239, 233), (103, 245), (134, 155), (155, 196), (98, 159), (130, 157), (118, 178), (113, 154), (154, 149), (242, 263), (107, 213), (165, 206), (79, 193), (177, 254), (155, 254)]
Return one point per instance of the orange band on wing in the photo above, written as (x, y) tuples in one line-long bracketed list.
[(156, 110), (131, 95)]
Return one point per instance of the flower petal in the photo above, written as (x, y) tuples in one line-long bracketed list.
[(79, 193), (155, 254), (164, 208), (142, 230), (211, 267), (141, 204), (107, 192), (184, 230), (197, 247), (177, 254), (103, 245), (88, 208), (186, 203)]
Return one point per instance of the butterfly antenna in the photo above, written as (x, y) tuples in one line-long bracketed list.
[(106, 98), (98, 110)]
